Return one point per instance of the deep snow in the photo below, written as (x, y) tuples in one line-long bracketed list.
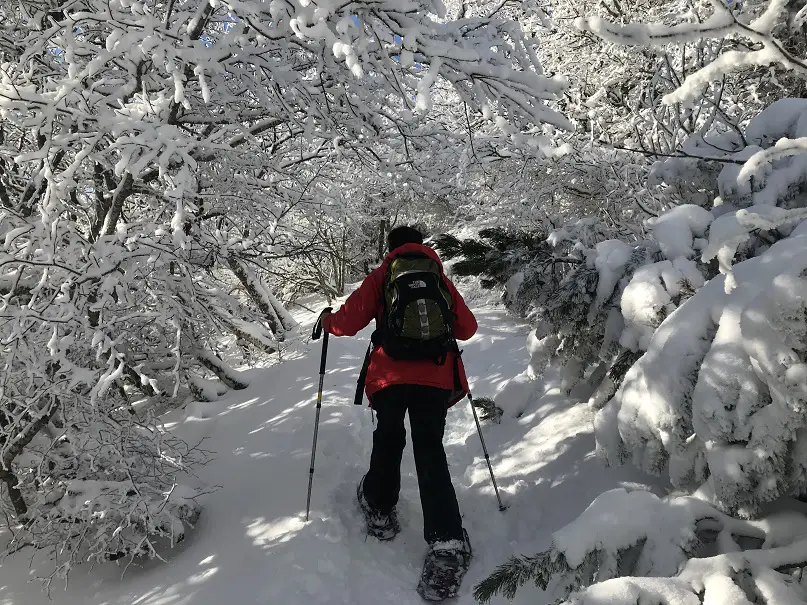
[(251, 544)]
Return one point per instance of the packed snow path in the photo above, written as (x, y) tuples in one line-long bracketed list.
[(251, 544)]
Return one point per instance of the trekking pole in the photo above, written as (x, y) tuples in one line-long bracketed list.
[(315, 336), (502, 507)]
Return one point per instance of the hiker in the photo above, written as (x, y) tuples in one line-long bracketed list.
[(411, 288)]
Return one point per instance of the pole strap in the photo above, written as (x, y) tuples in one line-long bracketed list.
[(359, 398)]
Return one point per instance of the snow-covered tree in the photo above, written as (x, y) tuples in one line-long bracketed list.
[(595, 300), (160, 164), (715, 402), (732, 392)]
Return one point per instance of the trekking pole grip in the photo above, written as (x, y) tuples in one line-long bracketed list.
[(317, 331)]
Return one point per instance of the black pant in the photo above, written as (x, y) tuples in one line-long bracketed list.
[(427, 420)]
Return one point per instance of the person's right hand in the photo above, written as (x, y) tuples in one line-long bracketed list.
[(318, 326)]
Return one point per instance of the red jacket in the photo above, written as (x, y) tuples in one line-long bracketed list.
[(365, 304)]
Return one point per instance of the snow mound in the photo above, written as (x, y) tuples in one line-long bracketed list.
[(618, 519), (514, 394)]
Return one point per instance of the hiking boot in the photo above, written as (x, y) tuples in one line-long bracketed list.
[(384, 526), (444, 568)]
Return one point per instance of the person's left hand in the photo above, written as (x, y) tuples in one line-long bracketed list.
[(318, 326)]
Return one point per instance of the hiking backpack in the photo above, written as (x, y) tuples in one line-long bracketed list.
[(417, 321)]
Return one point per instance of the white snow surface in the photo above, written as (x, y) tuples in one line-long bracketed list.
[(648, 297), (679, 231), (617, 517), (609, 258), (252, 546)]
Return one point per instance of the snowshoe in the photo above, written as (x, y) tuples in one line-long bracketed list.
[(384, 526), (444, 568)]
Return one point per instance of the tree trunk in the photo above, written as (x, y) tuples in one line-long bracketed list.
[(201, 391), (114, 207), (14, 494), (257, 293), (135, 379), (286, 320), (246, 336), (224, 372), (13, 448)]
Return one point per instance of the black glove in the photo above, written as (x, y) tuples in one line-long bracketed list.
[(318, 326)]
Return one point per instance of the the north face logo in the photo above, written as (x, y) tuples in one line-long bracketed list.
[(417, 284)]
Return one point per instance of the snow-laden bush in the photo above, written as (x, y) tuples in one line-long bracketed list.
[(595, 300), (496, 254), (717, 403), (630, 548), (720, 394), (106, 487), (88, 333), (719, 397)]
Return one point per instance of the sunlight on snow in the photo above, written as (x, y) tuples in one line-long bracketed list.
[(202, 576), (541, 445), (240, 406), (265, 533)]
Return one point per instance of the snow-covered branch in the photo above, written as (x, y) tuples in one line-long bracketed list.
[(723, 22)]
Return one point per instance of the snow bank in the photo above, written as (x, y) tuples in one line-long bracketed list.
[(638, 591), (514, 395), (672, 551), (542, 344), (619, 519)]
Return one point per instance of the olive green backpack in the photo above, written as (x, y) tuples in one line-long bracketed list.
[(417, 321)]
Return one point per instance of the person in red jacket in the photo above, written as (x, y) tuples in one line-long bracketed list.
[(422, 387)]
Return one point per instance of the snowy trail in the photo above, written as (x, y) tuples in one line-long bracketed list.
[(251, 544)]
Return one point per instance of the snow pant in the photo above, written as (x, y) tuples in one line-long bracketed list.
[(427, 420)]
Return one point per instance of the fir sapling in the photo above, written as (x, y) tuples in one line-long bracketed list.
[(488, 410)]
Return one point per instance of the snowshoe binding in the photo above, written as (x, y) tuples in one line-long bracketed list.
[(444, 568), (383, 526)]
